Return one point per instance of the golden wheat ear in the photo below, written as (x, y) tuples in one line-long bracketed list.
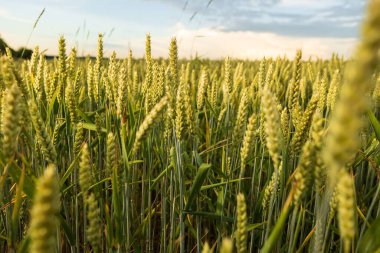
[(227, 246), (43, 225), (206, 248)]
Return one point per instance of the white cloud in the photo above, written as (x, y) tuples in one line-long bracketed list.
[(212, 43), (217, 44)]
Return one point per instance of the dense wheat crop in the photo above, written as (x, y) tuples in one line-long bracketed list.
[(170, 155)]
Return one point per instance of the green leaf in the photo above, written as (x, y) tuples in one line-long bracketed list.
[(278, 227), (91, 126), (198, 181), (375, 124), (69, 170), (29, 185), (251, 227), (370, 241), (161, 175), (24, 247), (51, 103), (66, 228), (210, 186), (83, 115)]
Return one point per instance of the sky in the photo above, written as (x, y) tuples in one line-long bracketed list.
[(245, 29)]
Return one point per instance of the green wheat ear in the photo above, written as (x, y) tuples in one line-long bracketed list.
[(241, 119), (130, 68), (11, 119), (99, 57), (94, 229), (32, 64), (273, 186), (44, 223), (189, 111), (179, 111), (90, 81), (148, 49), (111, 161), (247, 143), (296, 78), (111, 78), (285, 123), (42, 136), (71, 62), (79, 137), (71, 98), (173, 61), (85, 177), (122, 91), (203, 84), (304, 175), (228, 75), (62, 68), (303, 125), (272, 126), (61, 56), (241, 227), (38, 81), (170, 113), (148, 122)]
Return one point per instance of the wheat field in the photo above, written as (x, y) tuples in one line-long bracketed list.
[(173, 155)]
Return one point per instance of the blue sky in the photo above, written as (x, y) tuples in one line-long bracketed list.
[(211, 28)]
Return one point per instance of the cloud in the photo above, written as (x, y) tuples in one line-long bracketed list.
[(217, 44), (309, 18), (248, 44), (238, 28)]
